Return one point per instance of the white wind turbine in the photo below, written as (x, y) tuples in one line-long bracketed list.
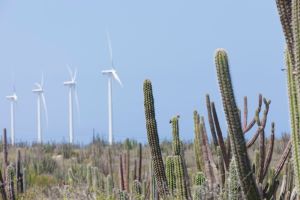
[(72, 94), (39, 90), (112, 74), (13, 99)]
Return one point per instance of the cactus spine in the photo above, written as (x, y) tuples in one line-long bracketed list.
[(153, 139), (237, 139)]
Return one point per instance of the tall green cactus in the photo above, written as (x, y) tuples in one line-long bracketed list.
[(18, 173), (238, 144), (2, 187), (233, 181), (89, 176), (5, 152), (289, 11), (71, 177), (170, 174), (137, 190), (24, 177), (175, 133), (197, 142), (109, 186), (181, 191), (10, 173), (153, 139)]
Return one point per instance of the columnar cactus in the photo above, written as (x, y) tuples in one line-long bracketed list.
[(24, 178), (181, 192), (153, 139), (238, 144), (95, 178), (175, 133), (211, 121), (197, 142), (89, 176), (5, 152), (71, 177), (170, 174), (19, 173), (233, 181), (110, 165), (140, 156), (10, 173), (109, 186), (290, 20), (126, 169), (121, 175), (2, 187), (137, 190)]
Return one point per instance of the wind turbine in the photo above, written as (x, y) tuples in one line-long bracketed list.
[(13, 99), (72, 93), (39, 90), (112, 74)]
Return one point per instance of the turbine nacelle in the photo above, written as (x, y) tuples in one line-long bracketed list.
[(113, 73), (69, 83), (13, 97)]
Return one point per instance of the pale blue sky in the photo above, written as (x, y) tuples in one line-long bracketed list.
[(171, 42)]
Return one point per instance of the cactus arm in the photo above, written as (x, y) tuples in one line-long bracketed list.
[(253, 121), (269, 152), (282, 159)]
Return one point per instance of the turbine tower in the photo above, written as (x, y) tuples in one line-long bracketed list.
[(39, 90), (112, 74), (13, 99), (72, 94)]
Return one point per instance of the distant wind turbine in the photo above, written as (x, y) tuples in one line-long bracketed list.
[(13, 99), (72, 94), (112, 74), (39, 90)]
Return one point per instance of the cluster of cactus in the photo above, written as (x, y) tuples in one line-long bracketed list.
[(233, 174), (13, 183)]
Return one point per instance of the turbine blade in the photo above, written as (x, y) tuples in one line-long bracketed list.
[(70, 71), (45, 108), (38, 85), (116, 77), (75, 75), (110, 49), (77, 103), (42, 81)]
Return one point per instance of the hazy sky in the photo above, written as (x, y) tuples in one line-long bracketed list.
[(171, 42)]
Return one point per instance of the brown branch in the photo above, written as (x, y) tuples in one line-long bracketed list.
[(220, 136)]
